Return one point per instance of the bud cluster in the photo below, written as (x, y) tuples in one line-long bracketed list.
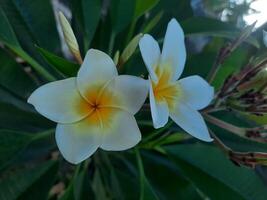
[(246, 91)]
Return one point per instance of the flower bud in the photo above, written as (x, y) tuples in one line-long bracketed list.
[(70, 37), (129, 50)]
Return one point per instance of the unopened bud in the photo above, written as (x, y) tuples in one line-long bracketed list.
[(129, 50), (70, 38), (116, 58)]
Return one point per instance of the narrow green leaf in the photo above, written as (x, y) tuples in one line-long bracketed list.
[(153, 22), (141, 7), (66, 67), (166, 179), (122, 12), (7, 34), (42, 186), (13, 77), (16, 119), (14, 184), (33, 22), (210, 170), (8, 37), (11, 144), (91, 15)]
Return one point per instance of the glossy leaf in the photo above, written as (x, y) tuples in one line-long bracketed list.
[(209, 169), (19, 141), (7, 34), (142, 7), (22, 17), (121, 14), (91, 10), (16, 119), (15, 184), (66, 67), (13, 77)]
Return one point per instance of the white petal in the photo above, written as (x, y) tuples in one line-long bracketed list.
[(59, 101), (173, 51), (191, 121), (96, 70), (151, 54), (77, 141), (122, 134), (196, 92), (129, 91), (159, 110)]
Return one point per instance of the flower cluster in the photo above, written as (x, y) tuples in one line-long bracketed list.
[(96, 109)]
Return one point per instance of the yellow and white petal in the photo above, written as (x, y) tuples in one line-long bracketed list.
[(78, 141), (159, 110), (191, 121), (60, 101), (173, 51), (196, 92), (96, 70), (123, 133), (150, 53), (126, 92)]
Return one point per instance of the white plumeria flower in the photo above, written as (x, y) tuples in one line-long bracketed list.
[(95, 109), (168, 97)]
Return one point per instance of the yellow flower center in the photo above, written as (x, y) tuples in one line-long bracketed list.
[(166, 89), (101, 104)]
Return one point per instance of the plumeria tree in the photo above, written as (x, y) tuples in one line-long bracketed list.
[(129, 99)]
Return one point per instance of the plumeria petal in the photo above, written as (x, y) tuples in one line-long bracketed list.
[(123, 133), (196, 92), (151, 54), (78, 141), (159, 110), (191, 121), (59, 101), (173, 51), (129, 92), (96, 70)]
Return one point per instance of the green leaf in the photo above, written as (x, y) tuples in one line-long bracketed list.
[(33, 22), (7, 34), (153, 22), (42, 186), (66, 67), (141, 7), (8, 37), (14, 184), (8, 98), (209, 169), (11, 144), (122, 12), (16, 119), (165, 178), (79, 187), (91, 10), (13, 77)]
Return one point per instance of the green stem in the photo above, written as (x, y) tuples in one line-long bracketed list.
[(33, 63), (141, 173)]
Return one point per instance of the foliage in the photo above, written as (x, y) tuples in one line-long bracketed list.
[(167, 163)]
